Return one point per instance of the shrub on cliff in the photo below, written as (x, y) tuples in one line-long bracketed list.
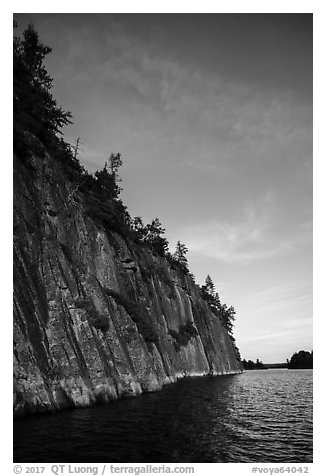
[(183, 335), (138, 315)]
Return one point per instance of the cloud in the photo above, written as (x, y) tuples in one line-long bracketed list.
[(290, 330), (292, 335), (290, 292), (242, 120), (272, 335), (194, 116), (251, 237), (281, 304), (297, 323)]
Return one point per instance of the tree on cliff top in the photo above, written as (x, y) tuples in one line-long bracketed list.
[(35, 109), (209, 286), (227, 317), (153, 235), (208, 293), (224, 313), (180, 255), (108, 178)]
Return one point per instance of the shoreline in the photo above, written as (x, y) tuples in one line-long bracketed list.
[(40, 410)]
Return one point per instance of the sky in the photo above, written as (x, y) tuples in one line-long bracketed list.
[(212, 114)]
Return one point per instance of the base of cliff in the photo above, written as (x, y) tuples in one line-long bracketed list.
[(61, 400)]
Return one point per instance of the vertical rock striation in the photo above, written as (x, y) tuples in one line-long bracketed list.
[(97, 317)]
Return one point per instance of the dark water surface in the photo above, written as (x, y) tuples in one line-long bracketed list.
[(258, 416)]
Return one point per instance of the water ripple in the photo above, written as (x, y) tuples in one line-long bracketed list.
[(259, 416)]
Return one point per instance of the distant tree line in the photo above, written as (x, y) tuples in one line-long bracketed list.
[(251, 365), (301, 360)]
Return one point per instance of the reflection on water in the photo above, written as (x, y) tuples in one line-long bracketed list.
[(258, 416)]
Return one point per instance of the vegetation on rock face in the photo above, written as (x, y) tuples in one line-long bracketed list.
[(183, 335), (138, 314), (301, 360)]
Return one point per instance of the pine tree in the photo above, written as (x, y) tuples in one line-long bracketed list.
[(209, 285), (180, 255), (115, 163), (225, 314), (209, 294)]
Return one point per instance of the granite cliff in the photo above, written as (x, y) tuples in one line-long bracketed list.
[(97, 317)]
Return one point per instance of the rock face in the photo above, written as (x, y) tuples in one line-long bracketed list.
[(97, 317)]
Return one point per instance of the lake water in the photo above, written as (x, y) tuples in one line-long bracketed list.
[(258, 416)]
